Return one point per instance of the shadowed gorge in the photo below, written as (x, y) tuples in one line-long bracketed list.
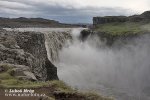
[(120, 70)]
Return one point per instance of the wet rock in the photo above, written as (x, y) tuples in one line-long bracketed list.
[(84, 34)]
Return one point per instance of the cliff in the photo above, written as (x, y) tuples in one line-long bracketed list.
[(26, 53), (144, 17), (109, 19), (119, 28), (24, 60)]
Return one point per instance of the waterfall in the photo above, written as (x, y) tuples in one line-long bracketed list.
[(121, 72), (54, 42), (55, 39)]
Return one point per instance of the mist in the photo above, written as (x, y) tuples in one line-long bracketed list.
[(94, 66)]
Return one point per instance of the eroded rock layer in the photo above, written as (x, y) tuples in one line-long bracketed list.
[(27, 49)]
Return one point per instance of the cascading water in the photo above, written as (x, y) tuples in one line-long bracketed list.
[(54, 41), (120, 72)]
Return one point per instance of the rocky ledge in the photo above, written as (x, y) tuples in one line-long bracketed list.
[(26, 54)]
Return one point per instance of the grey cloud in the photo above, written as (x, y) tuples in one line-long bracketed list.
[(14, 5), (31, 8)]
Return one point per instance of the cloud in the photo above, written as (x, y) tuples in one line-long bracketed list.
[(70, 10), (13, 5)]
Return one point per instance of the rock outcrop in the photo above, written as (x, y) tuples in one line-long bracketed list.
[(27, 51), (109, 19), (144, 17), (85, 33)]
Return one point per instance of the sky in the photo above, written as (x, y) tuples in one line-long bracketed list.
[(71, 11)]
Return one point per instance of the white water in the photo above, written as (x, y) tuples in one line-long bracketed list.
[(43, 30), (55, 38), (122, 73)]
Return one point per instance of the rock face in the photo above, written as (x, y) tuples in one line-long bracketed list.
[(109, 19), (85, 33), (27, 49), (146, 14)]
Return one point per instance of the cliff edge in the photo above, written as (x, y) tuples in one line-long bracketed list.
[(26, 53), (144, 17)]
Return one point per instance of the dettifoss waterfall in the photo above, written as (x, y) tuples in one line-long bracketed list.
[(54, 42), (122, 72)]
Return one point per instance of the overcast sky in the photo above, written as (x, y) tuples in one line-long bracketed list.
[(71, 11)]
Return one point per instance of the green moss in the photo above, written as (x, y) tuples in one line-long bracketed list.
[(5, 76), (7, 80), (95, 96), (10, 82), (61, 86), (5, 67), (11, 72), (51, 98), (121, 28), (146, 27), (57, 85), (15, 83)]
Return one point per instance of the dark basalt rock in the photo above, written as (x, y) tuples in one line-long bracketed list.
[(146, 14), (109, 19), (27, 49), (84, 34)]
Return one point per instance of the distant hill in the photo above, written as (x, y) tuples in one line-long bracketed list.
[(31, 22)]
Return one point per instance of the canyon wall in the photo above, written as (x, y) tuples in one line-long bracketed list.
[(144, 17), (26, 52)]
